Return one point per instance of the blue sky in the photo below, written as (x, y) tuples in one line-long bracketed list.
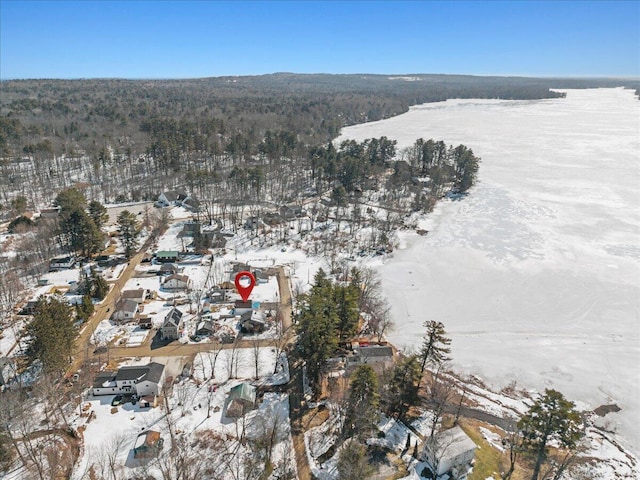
[(163, 39)]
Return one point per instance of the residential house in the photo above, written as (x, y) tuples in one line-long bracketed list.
[(139, 295), (172, 325), (292, 212), (191, 203), (61, 263), (148, 444), (172, 197), (261, 276), (449, 451), (242, 399), (167, 256), (176, 282), (272, 218), (217, 295), (372, 354), (241, 307), (125, 310), (140, 380), (168, 269), (145, 322), (205, 328), (50, 213), (29, 308), (252, 322)]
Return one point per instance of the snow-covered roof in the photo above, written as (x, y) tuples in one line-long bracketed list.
[(455, 443)]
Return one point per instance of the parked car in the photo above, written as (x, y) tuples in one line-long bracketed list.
[(117, 400)]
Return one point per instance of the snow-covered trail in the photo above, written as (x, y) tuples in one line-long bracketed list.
[(536, 274)]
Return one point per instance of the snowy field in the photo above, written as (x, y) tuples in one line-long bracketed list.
[(536, 274)]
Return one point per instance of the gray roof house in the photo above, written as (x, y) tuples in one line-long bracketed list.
[(176, 282), (168, 268), (125, 310), (138, 294), (140, 380), (449, 451)]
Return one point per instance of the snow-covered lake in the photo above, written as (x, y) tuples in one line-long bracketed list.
[(536, 274)]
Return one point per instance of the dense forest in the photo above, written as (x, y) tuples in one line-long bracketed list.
[(128, 139)]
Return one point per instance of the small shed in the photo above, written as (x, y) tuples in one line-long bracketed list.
[(242, 398), (148, 444)]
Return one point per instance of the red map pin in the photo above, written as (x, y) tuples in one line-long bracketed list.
[(245, 290)]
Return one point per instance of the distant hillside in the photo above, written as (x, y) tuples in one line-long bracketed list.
[(110, 122)]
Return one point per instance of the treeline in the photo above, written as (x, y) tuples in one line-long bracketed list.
[(130, 138)]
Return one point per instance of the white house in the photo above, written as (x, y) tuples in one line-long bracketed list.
[(176, 282), (166, 199), (61, 263), (125, 310), (139, 295), (451, 450), (140, 380)]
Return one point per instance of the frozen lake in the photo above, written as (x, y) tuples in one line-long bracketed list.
[(536, 274)]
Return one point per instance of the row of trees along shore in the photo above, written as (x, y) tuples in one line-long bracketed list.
[(544, 443)]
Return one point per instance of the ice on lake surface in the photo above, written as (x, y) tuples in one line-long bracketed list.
[(536, 274)]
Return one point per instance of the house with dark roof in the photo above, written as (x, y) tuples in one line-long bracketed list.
[(140, 380), (172, 325), (204, 328), (191, 203), (61, 263), (240, 307), (252, 322), (168, 269)]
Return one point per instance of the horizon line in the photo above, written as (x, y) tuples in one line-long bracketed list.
[(484, 75)]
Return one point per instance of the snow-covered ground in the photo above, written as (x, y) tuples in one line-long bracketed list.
[(536, 274), (110, 429)]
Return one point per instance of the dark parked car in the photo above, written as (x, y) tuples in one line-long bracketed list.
[(117, 400)]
